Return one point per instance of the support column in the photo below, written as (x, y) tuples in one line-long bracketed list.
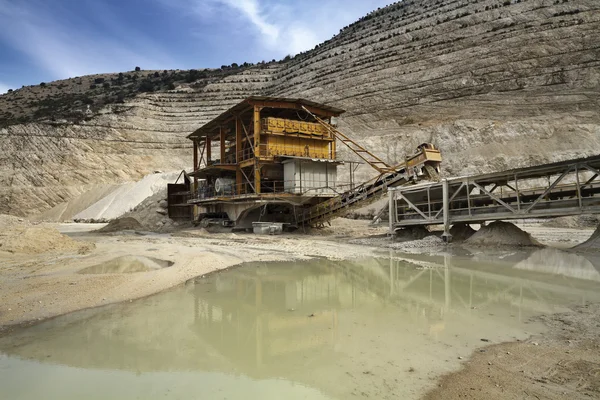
[(391, 210), (208, 150), (222, 143), (257, 129), (195, 155), (195, 164), (238, 140), (333, 149), (446, 236), (579, 201), (257, 150), (238, 156)]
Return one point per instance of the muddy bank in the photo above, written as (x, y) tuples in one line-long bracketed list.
[(562, 363), (36, 286)]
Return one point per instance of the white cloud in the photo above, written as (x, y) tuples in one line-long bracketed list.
[(251, 9), (280, 27), (63, 50), (300, 25)]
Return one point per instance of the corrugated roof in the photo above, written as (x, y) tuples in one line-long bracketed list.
[(247, 104)]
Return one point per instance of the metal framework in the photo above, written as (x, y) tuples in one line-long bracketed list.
[(569, 188)]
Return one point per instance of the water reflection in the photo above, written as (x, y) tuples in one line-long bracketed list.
[(127, 265), (379, 327)]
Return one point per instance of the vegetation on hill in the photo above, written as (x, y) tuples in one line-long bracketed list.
[(79, 98)]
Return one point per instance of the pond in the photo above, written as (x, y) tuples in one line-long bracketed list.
[(382, 328)]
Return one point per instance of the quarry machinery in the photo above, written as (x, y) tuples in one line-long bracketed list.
[(277, 165), (424, 163)]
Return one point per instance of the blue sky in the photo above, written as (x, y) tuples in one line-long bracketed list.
[(45, 40)]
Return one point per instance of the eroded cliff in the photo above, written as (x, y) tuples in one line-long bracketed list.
[(495, 84)]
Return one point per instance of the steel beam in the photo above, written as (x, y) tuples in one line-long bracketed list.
[(552, 186), (493, 197), (446, 208), (392, 209), (411, 205)]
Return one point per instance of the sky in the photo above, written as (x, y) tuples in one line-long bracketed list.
[(46, 40)]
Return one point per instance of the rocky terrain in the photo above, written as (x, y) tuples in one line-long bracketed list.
[(494, 83)]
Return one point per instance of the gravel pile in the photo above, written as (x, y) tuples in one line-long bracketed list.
[(428, 242), (500, 233), (21, 236), (592, 244), (150, 215), (461, 232)]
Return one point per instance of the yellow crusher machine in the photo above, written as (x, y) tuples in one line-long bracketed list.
[(423, 164)]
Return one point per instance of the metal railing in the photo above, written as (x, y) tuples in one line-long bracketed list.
[(312, 188), (271, 150)]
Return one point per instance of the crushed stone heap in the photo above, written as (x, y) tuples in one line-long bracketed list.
[(500, 233)]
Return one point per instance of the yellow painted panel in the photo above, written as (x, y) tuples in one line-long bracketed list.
[(280, 125), (297, 147)]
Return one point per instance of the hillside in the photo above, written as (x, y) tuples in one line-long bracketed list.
[(495, 83)]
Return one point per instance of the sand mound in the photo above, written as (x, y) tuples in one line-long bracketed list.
[(592, 244), (66, 211), (122, 224), (150, 215), (574, 222), (127, 197), (461, 232), (20, 236), (500, 233)]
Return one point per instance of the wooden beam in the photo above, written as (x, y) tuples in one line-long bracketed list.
[(333, 144), (256, 176), (195, 155), (238, 181), (222, 140), (257, 128), (248, 180), (295, 106), (208, 150), (238, 140), (256, 148), (195, 164)]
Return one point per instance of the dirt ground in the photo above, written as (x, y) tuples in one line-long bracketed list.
[(565, 362)]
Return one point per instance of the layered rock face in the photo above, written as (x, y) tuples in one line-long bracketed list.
[(496, 84)]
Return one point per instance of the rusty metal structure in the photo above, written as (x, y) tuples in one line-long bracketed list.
[(275, 160), (570, 187)]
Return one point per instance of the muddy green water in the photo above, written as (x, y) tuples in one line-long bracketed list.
[(381, 328)]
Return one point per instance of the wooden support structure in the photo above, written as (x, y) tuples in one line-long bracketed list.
[(222, 143), (238, 155), (195, 163), (208, 150), (257, 151)]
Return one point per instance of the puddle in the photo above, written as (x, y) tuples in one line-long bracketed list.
[(127, 265), (380, 328)]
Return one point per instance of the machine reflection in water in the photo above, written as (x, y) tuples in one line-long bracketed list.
[(322, 328)]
